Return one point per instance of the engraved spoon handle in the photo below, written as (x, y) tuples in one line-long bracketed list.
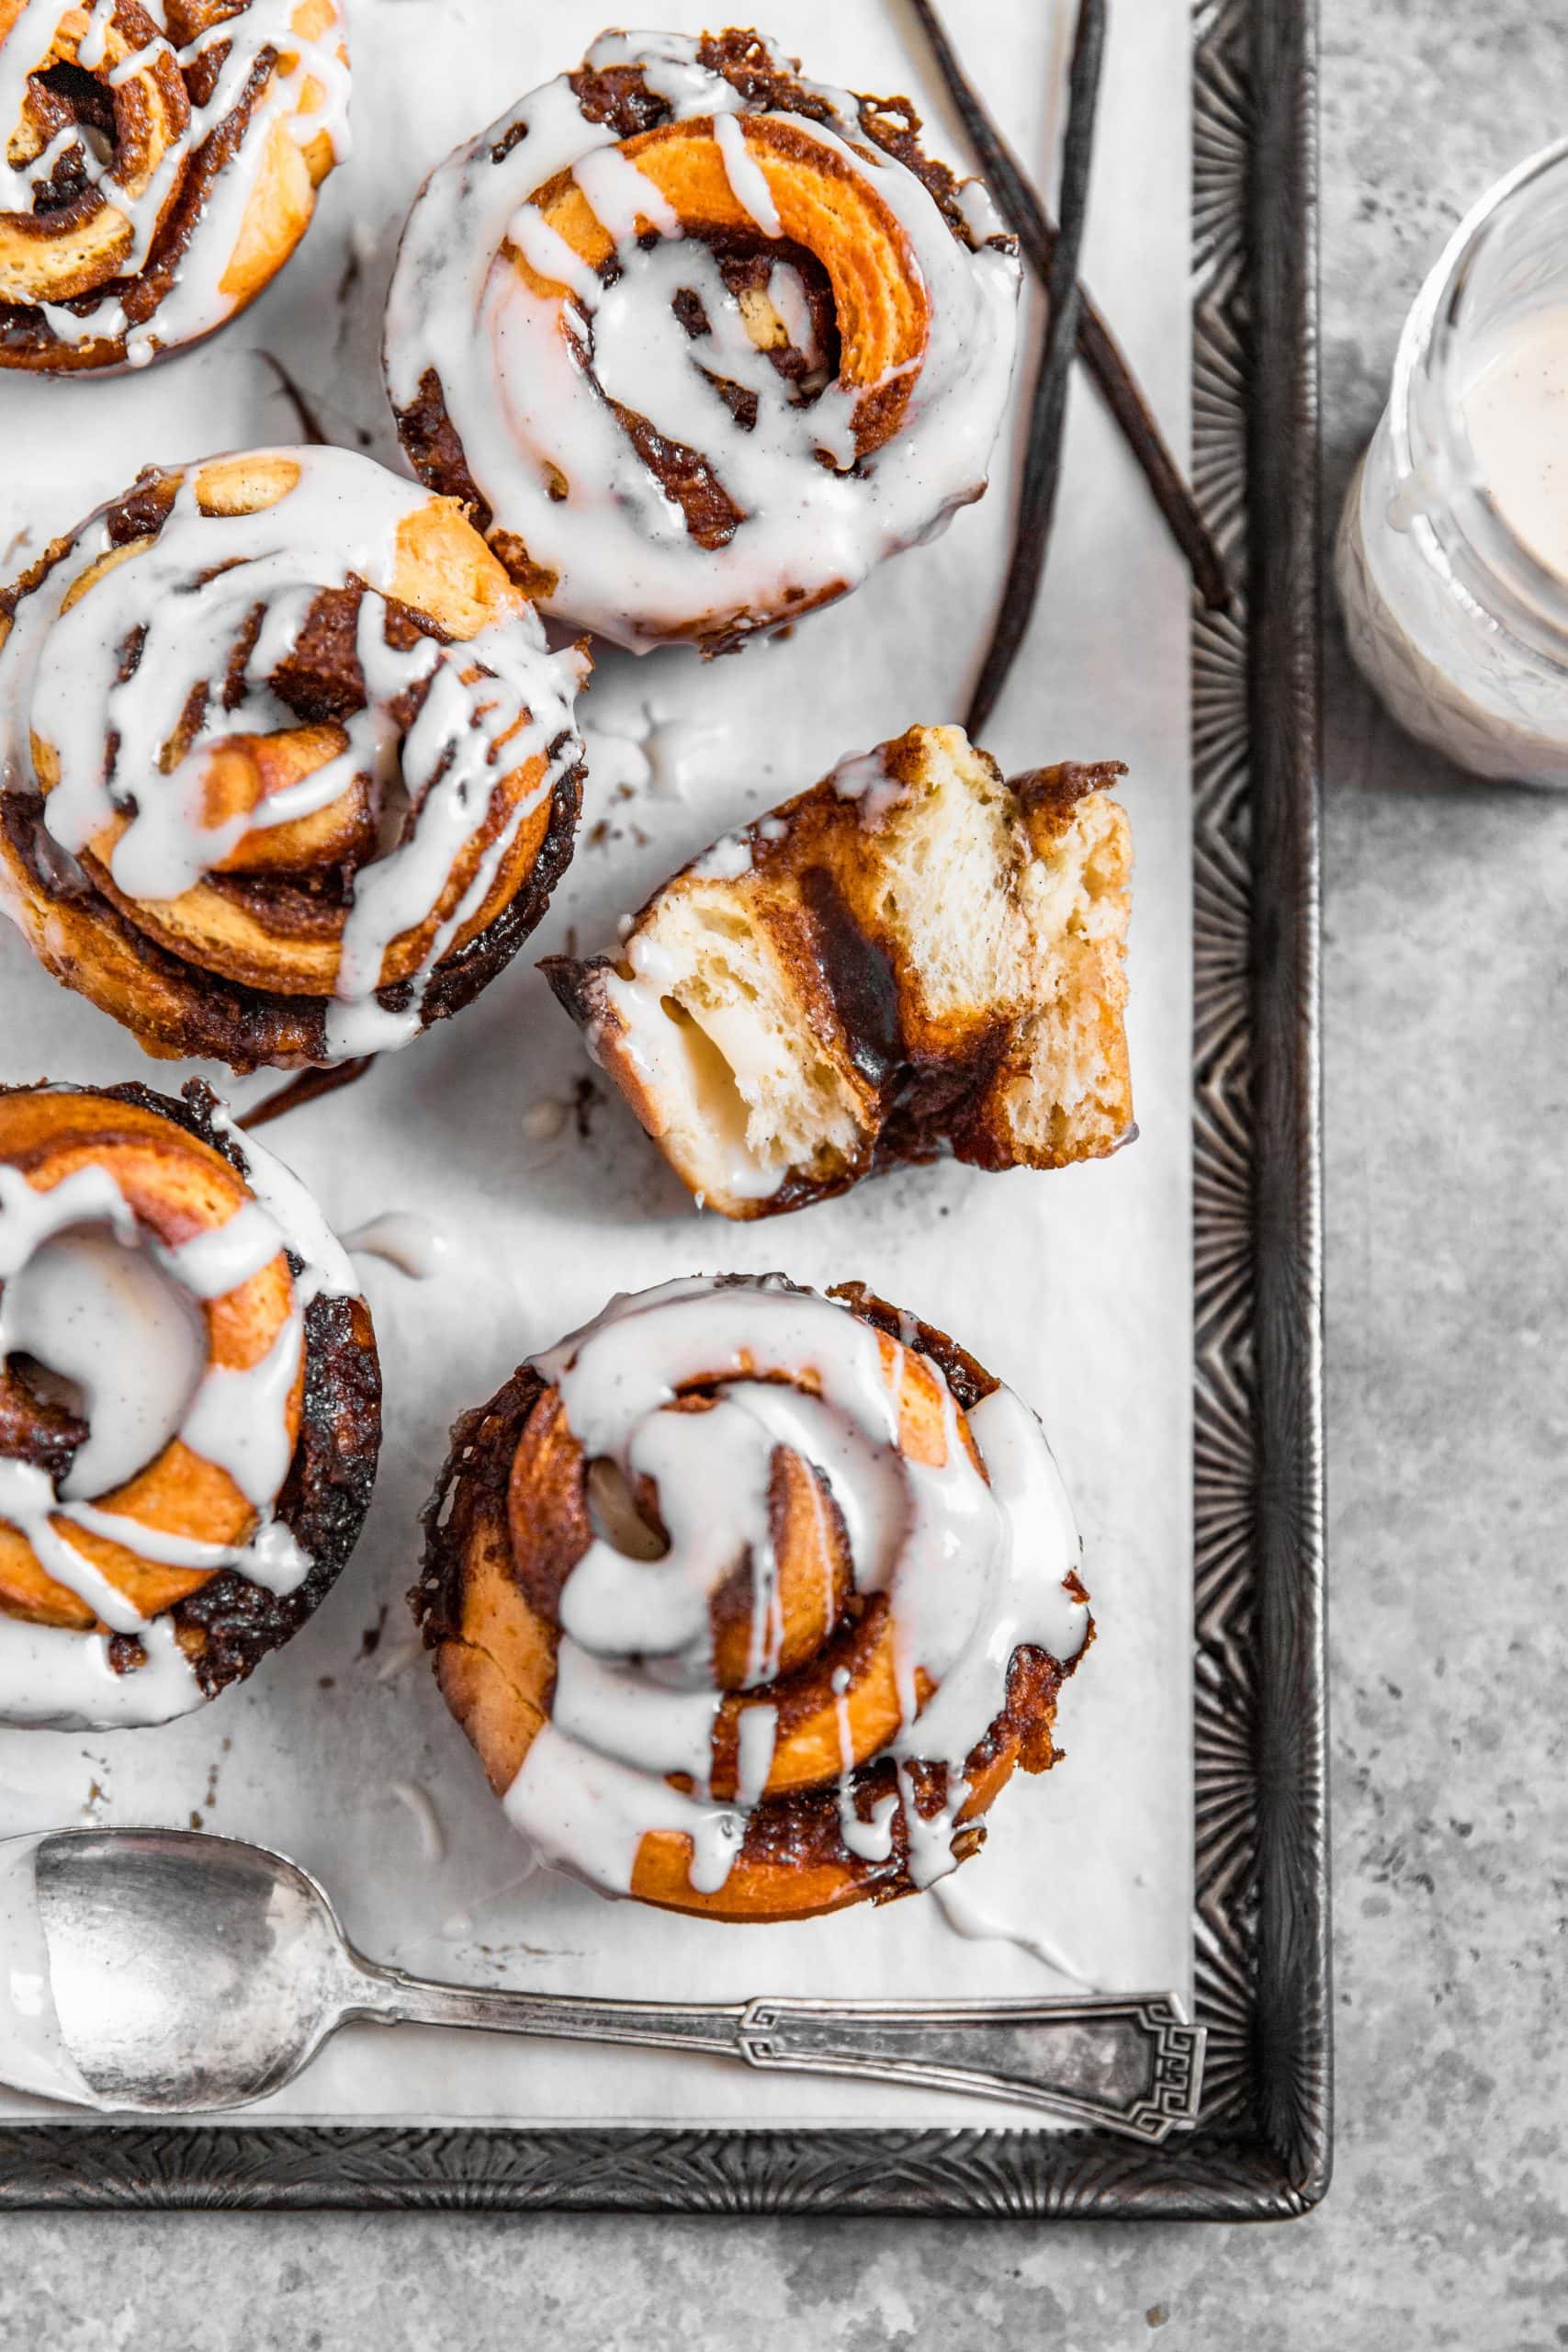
[(1128, 2063)]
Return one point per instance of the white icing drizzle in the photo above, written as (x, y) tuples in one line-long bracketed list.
[(131, 1339), (460, 1924), (215, 1262), (590, 1813), (622, 198), (968, 1919), (873, 1839), (101, 1315), (54, 1680), (787, 296), (236, 1418), (305, 97), (416, 1244), (491, 703), (864, 776), (33, 2056), (546, 250), (327, 1272), (614, 1710), (664, 756), (421, 1807), (726, 861), (545, 1119), (671, 69), (757, 1734), (748, 182), (529, 419), (400, 1657), (974, 1566), (27, 1501)]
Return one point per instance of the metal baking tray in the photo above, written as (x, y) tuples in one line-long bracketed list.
[(1260, 2149)]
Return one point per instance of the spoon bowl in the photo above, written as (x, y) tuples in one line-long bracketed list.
[(187, 1971)]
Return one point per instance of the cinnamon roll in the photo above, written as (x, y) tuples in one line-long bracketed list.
[(751, 1600), (159, 163), (189, 1404), (698, 341), (917, 956), (286, 770)]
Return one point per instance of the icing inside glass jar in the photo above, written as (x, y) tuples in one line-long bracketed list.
[(1452, 555)]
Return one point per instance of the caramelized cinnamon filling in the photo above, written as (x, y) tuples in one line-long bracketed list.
[(175, 1632), (827, 284), (262, 870), (121, 233), (847, 1797)]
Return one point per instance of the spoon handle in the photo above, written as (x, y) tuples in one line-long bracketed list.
[(391, 1997), (1128, 2063)]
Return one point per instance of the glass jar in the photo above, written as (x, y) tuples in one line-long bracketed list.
[(1452, 553)]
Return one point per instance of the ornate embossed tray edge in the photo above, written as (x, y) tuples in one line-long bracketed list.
[(1260, 2150)]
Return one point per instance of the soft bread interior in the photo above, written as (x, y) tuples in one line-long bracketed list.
[(947, 855), (716, 1020), (999, 912), (1065, 1093)]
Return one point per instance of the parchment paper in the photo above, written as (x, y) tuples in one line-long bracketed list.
[(1076, 1287)]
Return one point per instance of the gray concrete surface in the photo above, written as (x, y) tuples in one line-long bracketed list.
[(1447, 1107)]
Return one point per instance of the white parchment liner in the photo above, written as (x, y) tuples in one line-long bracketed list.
[(1076, 1287)]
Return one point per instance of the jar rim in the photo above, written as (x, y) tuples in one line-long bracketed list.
[(1495, 565)]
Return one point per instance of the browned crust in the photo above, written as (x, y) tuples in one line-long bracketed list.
[(1051, 795), (27, 343), (934, 1090), (964, 1374), (619, 96), (891, 124), (231, 1624), (89, 937), (793, 1839), (435, 449), (175, 1009)]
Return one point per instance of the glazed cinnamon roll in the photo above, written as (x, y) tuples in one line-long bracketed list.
[(751, 1600), (159, 163), (698, 341), (286, 770), (916, 957), (189, 1404)]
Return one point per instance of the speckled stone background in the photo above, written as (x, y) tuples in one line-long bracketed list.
[(1446, 971)]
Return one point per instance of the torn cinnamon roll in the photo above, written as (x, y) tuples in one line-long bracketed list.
[(287, 772), (916, 957), (189, 1404), (752, 1599), (159, 163), (699, 341)]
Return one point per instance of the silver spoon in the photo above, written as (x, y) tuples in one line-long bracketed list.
[(186, 1972)]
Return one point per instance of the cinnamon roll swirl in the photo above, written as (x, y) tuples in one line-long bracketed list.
[(159, 163), (751, 1600), (189, 1404), (698, 341), (916, 957), (286, 770)]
